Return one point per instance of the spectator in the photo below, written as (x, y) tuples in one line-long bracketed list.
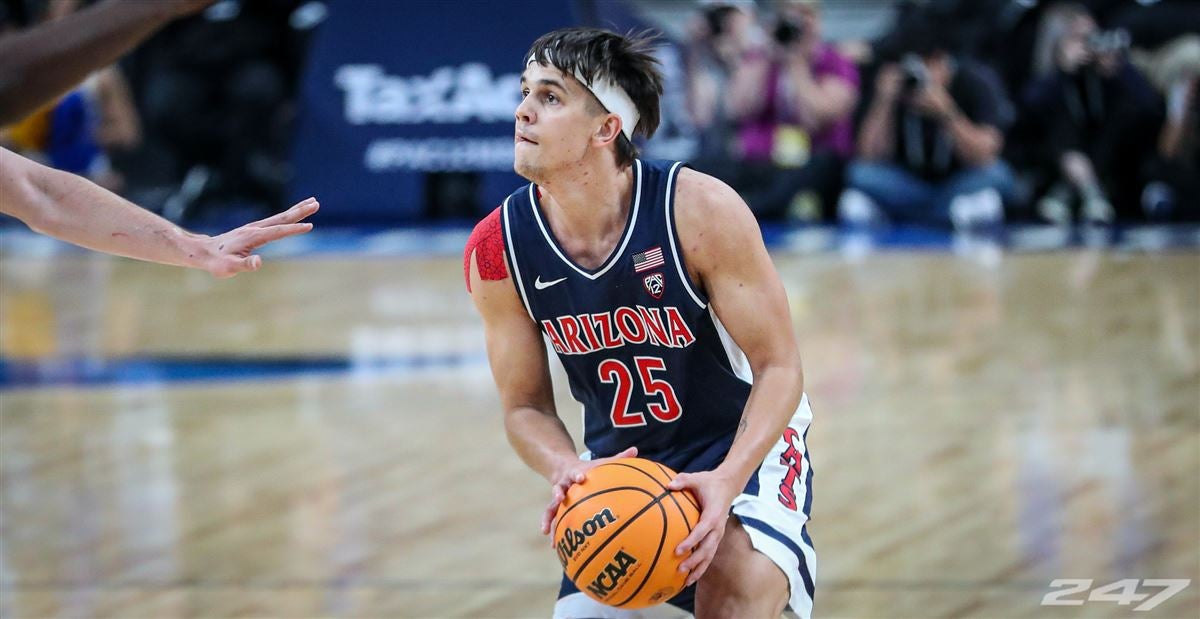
[(789, 105), (718, 38), (1173, 190), (1093, 113), (929, 144)]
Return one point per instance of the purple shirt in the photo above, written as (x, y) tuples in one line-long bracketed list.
[(757, 134)]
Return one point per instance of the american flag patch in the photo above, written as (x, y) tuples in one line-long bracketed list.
[(649, 259)]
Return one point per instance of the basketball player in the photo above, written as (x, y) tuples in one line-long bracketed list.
[(652, 284)]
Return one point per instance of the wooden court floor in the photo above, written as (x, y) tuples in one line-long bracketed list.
[(982, 427)]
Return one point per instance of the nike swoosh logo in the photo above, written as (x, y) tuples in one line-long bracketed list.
[(541, 285)]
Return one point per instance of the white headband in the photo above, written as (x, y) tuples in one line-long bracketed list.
[(612, 97)]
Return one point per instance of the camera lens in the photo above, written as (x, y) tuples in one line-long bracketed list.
[(787, 31)]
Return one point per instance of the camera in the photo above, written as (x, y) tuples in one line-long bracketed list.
[(1108, 41), (788, 31), (914, 72)]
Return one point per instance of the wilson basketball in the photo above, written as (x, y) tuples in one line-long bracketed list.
[(616, 533)]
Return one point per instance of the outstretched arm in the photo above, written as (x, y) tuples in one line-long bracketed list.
[(723, 245), (43, 62), (78, 211)]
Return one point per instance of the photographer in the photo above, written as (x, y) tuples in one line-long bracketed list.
[(1093, 111), (930, 142), (1172, 190), (790, 100), (718, 38)]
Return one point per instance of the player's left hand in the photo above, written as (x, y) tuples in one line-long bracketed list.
[(233, 252), (716, 491)]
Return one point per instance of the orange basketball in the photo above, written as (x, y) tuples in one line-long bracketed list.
[(616, 533)]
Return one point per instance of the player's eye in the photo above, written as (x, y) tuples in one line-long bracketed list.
[(524, 92), (551, 98)]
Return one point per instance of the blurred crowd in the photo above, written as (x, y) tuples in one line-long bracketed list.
[(963, 113)]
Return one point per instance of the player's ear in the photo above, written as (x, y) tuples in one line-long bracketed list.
[(609, 130)]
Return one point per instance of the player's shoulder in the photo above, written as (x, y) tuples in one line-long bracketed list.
[(705, 203), (714, 225), (486, 244)]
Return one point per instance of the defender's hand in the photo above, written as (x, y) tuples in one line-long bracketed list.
[(233, 252), (576, 473), (716, 492)]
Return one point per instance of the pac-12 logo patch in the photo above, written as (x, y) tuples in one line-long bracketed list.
[(654, 283)]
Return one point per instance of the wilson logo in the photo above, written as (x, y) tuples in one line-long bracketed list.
[(573, 539)]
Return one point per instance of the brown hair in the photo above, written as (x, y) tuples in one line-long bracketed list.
[(627, 60)]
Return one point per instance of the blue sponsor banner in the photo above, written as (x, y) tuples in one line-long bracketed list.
[(395, 90)]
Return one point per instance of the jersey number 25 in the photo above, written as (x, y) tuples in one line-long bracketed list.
[(615, 371)]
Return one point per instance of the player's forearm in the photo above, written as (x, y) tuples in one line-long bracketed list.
[(773, 401), (78, 211), (541, 440), (43, 62)]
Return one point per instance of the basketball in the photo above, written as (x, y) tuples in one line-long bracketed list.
[(616, 533)]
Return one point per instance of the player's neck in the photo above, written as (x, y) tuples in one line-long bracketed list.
[(590, 200)]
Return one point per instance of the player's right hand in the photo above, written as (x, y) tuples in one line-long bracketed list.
[(574, 473)]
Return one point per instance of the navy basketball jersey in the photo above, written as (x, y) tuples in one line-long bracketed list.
[(650, 362)]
